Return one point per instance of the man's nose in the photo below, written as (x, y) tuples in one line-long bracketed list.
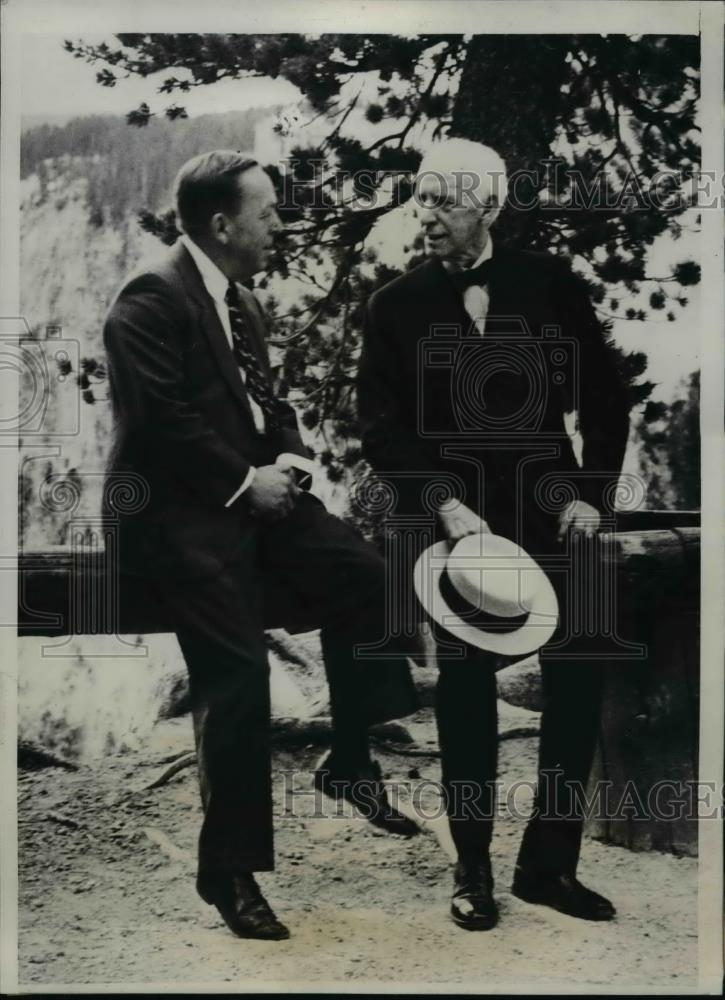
[(425, 215)]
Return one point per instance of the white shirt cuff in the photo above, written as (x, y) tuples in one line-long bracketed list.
[(247, 482)]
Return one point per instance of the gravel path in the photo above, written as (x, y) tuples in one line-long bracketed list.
[(107, 893)]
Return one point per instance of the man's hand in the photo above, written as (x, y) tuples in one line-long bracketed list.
[(457, 521), (579, 519), (272, 493)]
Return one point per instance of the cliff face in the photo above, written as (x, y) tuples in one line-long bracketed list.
[(70, 271), (88, 696)]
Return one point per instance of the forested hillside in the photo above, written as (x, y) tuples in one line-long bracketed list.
[(124, 168)]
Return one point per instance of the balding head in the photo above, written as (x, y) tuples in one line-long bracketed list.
[(474, 171), (460, 189)]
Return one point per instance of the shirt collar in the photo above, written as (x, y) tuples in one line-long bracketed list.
[(215, 282), (486, 255)]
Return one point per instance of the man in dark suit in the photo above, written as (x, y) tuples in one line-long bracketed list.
[(469, 363), (229, 540)]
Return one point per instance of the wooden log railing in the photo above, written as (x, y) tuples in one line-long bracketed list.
[(63, 591), (649, 730)]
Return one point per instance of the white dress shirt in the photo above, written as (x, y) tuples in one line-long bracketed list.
[(216, 284), (476, 298)]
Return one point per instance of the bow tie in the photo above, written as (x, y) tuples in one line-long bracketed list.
[(478, 275)]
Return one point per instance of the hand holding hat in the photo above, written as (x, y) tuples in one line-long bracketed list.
[(489, 593), (458, 521)]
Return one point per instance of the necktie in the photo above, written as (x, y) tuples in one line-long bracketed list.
[(478, 275), (258, 384)]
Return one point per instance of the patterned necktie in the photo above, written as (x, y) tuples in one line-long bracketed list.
[(258, 384)]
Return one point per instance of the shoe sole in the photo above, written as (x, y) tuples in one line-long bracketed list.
[(537, 901), (244, 932), (480, 924), (261, 937), (248, 936)]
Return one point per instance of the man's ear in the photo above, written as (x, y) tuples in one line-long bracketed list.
[(218, 227), (490, 211)]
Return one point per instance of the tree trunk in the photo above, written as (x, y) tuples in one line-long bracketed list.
[(508, 98)]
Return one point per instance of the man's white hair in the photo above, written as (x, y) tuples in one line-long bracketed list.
[(483, 169)]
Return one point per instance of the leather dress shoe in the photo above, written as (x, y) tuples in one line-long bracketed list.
[(364, 789), (473, 906), (563, 893), (245, 910)]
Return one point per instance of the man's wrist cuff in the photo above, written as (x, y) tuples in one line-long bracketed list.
[(449, 506), (245, 485)]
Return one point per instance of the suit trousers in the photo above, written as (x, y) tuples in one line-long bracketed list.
[(466, 714), (311, 564)]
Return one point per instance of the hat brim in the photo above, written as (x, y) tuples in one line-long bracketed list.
[(536, 631)]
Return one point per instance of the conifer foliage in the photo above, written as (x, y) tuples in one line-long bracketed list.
[(599, 135)]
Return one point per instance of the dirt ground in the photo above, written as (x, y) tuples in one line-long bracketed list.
[(107, 891)]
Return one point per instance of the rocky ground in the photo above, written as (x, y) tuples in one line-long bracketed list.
[(107, 889)]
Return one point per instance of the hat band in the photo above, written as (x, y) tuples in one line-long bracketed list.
[(474, 616)]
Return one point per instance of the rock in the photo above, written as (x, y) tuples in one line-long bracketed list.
[(286, 696), (32, 757), (175, 700), (85, 887), (520, 684), (390, 732), (515, 722)]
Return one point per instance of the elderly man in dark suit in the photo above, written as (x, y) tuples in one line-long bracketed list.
[(469, 363), (222, 528)]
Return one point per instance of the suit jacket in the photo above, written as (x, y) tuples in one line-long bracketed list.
[(184, 436), (435, 398)]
